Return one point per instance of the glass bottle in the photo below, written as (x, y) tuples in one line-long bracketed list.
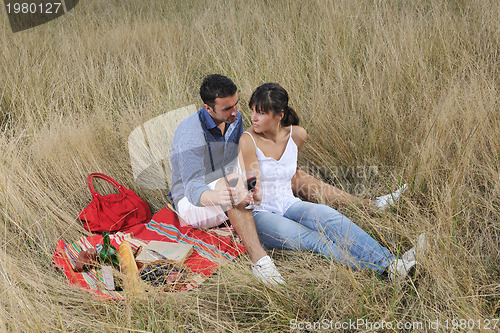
[(108, 254), (109, 260)]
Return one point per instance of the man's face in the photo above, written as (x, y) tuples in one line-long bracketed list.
[(224, 110)]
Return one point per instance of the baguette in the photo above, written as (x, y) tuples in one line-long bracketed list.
[(132, 283)]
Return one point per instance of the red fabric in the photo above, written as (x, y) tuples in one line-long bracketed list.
[(208, 245), (113, 212), (63, 261), (210, 248)]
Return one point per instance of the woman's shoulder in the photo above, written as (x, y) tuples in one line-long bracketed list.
[(299, 135), (250, 130), (247, 139), (248, 133), (298, 130)]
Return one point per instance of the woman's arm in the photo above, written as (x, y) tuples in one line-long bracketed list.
[(315, 190), (248, 161)]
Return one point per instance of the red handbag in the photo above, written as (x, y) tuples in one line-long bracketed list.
[(113, 212)]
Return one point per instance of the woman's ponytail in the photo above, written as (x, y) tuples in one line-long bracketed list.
[(290, 117)]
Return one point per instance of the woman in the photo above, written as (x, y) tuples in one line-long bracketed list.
[(283, 221)]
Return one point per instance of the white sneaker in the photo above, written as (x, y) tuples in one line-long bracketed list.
[(266, 272), (400, 268), (419, 249), (390, 199)]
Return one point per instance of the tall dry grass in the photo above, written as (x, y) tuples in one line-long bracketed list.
[(407, 87)]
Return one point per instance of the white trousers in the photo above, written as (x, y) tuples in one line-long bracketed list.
[(201, 217)]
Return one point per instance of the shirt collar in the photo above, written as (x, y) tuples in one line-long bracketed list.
[(207, 119)]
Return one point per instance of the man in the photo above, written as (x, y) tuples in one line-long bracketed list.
[(203, 145)]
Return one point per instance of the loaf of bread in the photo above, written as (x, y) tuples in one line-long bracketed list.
[(132, 282)]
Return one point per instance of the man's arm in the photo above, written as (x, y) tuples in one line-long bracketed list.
[(190, 156), (192, 172), (314, 190)]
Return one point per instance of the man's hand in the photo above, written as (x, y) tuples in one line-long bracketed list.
[(225, 196), (239, 196), (220, 196)]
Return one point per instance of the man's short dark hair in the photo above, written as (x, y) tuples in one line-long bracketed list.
[(216, 86)]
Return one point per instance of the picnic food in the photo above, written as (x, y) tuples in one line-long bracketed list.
[(128, 267), (165, 274), (85, 260)]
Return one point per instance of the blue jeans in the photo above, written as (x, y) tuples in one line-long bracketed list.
[(322, 229)]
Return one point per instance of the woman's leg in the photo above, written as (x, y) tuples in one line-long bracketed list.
[(278, 232), (315, 190), (356, 248)]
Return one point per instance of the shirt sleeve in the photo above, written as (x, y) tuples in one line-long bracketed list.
[(190, 157)]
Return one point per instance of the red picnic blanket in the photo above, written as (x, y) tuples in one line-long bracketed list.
[(211, 248)]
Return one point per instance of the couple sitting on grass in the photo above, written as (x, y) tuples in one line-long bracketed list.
[(208, 141)]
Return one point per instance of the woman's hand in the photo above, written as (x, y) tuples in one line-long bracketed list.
[(257, 195)]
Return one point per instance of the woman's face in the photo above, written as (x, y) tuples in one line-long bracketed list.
[(264, 121)]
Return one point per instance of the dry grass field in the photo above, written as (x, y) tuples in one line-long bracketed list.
[(409, 89)]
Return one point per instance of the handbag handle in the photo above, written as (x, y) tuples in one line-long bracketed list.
[(103, 177)]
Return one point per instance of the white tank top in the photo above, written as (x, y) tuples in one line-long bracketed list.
[(276, 178)]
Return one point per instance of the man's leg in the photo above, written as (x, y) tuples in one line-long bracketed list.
[(243, 223)]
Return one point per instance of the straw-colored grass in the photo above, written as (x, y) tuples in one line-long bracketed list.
[(409, 89)]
